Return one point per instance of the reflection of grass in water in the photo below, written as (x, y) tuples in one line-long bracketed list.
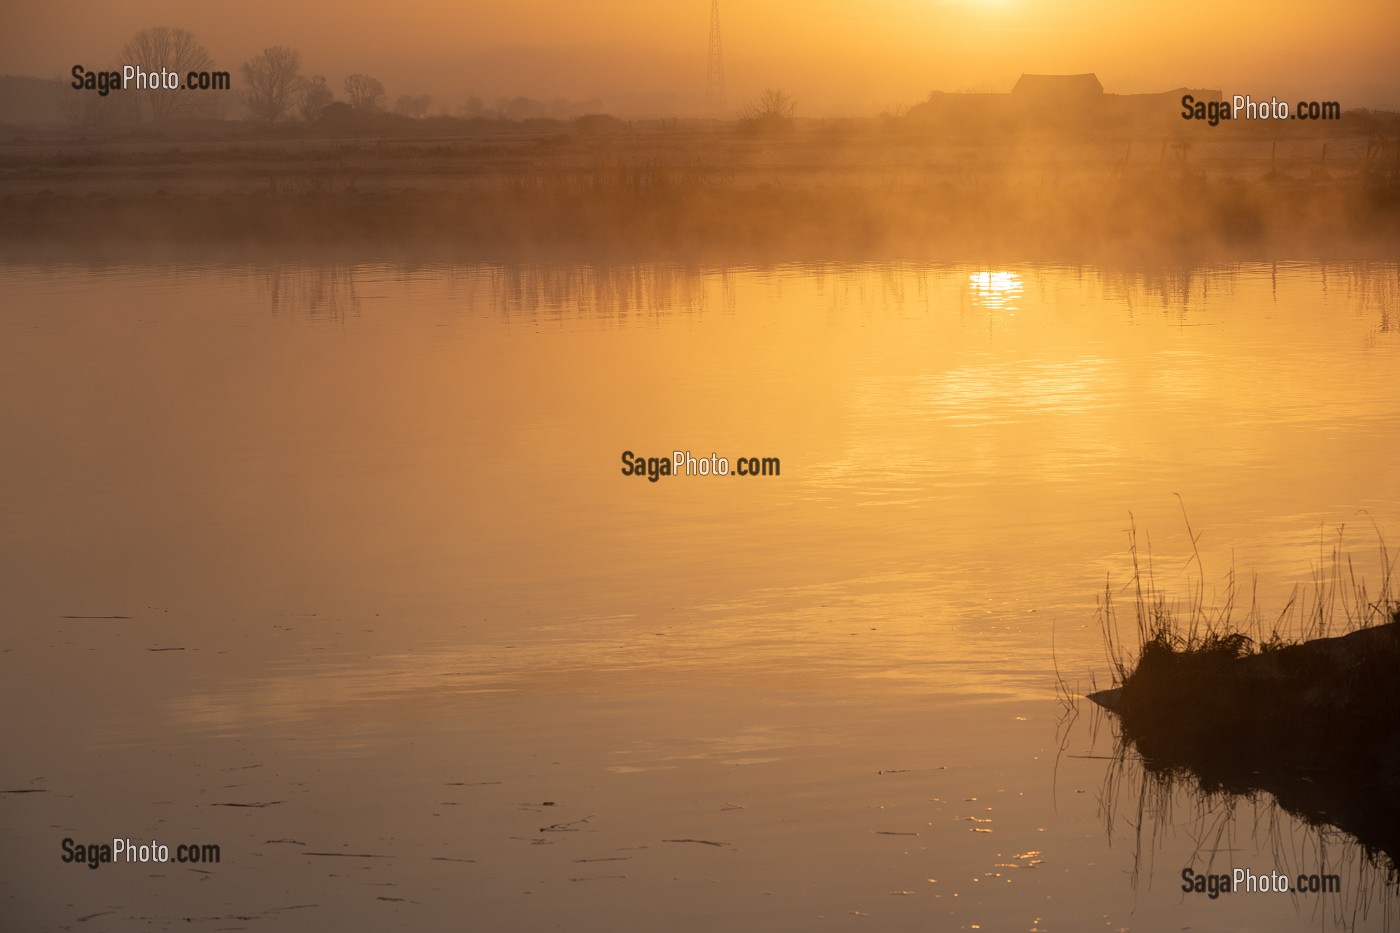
[(1306, 709), (1156, 804), (320, 290)]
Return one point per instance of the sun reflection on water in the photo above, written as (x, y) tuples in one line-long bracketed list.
[(999, 291)]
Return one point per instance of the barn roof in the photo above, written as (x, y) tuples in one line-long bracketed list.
[(1085, 85)]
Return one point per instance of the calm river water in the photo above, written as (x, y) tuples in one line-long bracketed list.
[(337, 568)]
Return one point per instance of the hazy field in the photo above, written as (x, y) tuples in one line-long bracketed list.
[(814, 190)]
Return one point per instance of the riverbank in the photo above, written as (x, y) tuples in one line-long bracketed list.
[(691, 194), (1313, 721), (1318, 704)]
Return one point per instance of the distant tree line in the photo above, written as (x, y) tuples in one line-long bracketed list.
[(271, 89)]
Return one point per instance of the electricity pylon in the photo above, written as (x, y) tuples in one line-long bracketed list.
[(714, 73)]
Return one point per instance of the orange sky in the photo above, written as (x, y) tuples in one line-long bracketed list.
[(648, 56)]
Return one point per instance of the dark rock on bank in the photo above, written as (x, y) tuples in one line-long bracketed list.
[(1317, 724)]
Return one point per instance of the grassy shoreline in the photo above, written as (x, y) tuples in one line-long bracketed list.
[(1311, 717)]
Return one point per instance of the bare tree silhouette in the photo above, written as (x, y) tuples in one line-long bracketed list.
[(81, 109), (365, 93), (772, 105), (272, 82), (175, 50), (474, 107), (315, 95), (413, 105)]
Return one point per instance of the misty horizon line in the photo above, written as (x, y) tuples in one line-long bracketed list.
[(523, 106)]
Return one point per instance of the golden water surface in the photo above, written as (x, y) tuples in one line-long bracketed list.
[(337, 567)]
